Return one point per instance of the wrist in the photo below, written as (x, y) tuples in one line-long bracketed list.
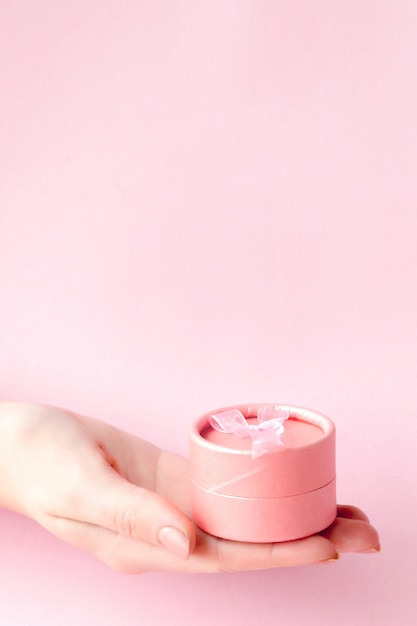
[(11, 455)]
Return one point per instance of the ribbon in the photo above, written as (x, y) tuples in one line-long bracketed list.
[(266, 434)]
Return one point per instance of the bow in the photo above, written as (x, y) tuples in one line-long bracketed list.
[(266, 434)]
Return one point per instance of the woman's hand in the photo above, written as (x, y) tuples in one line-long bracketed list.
[(128, 502)]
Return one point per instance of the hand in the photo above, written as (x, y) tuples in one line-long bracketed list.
[(128, 502)]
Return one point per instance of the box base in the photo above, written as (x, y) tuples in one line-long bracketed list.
[(264, 520)]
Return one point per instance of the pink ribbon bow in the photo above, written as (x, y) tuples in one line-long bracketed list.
[(266, 434)]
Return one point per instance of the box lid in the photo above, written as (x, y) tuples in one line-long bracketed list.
[(223, 463)]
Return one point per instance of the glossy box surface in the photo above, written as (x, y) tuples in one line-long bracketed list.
[(285, 494)]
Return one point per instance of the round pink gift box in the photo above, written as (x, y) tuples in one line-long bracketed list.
[(285, 494)]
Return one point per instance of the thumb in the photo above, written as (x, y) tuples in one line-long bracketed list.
[(136, 513)]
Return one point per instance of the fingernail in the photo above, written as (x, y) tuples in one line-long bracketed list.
[(370, 550), (175, 542), (332, 559)]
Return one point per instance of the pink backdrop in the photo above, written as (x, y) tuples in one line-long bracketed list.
[(205, 203)]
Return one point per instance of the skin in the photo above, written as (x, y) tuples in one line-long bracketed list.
[(111, 493)]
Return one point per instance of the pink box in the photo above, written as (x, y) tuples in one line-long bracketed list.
[(286, 492)]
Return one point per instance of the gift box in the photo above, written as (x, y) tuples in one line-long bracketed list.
[(263, 472)]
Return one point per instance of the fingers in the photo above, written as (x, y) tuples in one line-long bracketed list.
[(234, 556), (352, 535), (211, 555), (351, 531), (351, 512), (122, 553), (136, 513)]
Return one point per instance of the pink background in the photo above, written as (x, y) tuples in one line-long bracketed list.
[(203, 203)]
